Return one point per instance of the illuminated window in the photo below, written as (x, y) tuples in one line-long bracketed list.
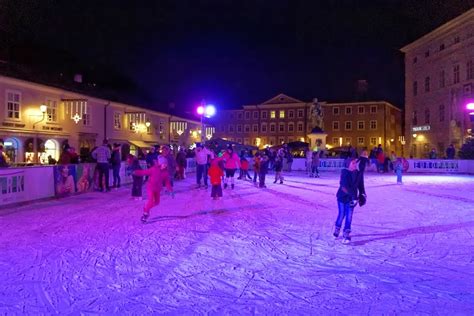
[(13, 104), (282, 114), (272, 114), (51, 110), (117, 120)]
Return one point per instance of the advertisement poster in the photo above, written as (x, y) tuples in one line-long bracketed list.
[(64, 180), (85, 177)]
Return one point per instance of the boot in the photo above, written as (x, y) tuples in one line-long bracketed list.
[(345, 237), (337, 230)]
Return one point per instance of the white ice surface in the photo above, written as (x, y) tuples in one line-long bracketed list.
[(257, 251)]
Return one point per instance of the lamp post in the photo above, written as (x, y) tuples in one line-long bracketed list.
[(207, 111), (43, 108)]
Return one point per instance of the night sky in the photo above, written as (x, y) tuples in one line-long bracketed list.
[(227, 52)]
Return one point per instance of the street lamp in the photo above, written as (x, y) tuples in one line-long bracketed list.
[(207, 111)]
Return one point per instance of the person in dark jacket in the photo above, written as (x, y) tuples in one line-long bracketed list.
[(346, 199), (116, 161), (362, 162), (264, 164), (450, 152), (133, 165)]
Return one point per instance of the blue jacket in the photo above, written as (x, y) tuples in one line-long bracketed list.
[(349, 183)]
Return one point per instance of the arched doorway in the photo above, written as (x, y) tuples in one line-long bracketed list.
[(30, 149), (11, 146), (51, 148)]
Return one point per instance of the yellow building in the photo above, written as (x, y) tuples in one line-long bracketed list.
[(439, 79), (36, 120)]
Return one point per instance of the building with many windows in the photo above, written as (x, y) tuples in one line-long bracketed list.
[(37, 119), (439, 79), (284, 119)]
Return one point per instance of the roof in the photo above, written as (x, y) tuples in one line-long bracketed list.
[(467, 17)]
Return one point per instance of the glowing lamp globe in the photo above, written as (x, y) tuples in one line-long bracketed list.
[(200, 110), (210, 110), (470, 106)]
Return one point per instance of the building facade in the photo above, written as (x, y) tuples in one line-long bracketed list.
[(284, 119), (439, 81), (36, 120)]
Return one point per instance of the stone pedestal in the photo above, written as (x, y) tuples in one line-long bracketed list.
[(317, 139)]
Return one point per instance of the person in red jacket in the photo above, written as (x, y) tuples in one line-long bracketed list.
[(154, 185), (232, 163), (215, 174), (244, 167)]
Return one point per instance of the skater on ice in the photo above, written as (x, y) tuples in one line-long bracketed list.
[(154, 184), (215, 175)]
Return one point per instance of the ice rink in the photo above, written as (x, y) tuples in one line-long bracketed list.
[(256, 251)]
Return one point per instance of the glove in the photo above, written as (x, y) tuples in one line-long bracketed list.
[(353, 203), (362, 199)]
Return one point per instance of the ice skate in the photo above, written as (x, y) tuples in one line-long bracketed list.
[(345, 237), (337, 230), (145, 217)]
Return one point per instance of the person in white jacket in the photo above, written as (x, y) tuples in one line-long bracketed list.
[(203, 156)]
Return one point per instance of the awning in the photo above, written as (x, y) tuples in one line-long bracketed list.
[(139, 143)]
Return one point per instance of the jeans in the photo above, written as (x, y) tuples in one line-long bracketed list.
[(103, 172), (399, 176), (345, 211), (201, 172), (116, 174)]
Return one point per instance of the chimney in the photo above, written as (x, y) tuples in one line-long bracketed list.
[(78, 78)]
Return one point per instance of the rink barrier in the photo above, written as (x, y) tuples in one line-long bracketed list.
[(24, 184)]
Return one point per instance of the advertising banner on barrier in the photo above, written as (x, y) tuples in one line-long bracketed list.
[(64, 180)]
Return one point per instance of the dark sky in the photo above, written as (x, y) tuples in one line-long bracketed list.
[(229, 52)]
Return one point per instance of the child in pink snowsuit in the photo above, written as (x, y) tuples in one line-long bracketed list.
[(154, 184)]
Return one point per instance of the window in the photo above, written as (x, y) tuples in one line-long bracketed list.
[(415, 118), (247, 128), (239, 128), (299, 127), (456, 74), (291, 127), (457, 39), (441, 47), (51, 110), (13, 105), (86, 119), (427, 54), (442, 79), (373, 124), (348, 140), (282, 114), (231, 128), (427, 116), (282, 140), (281, 127), (348, 110), (360, 141), (272, 114), (272, 128), (264, 128), (441, 112), (360, 109), (360, 125), (255, 128), (335, 141), (117, 120), (148, 129), (239, 116), (291, 114), (272, 141), (300, 113), (335, 125), (470, 70), (415, 88), (335, 110), (255, 115), (247, 115), (373, 109), (373, 141), (415, 60), (264, 115), (427, 84), (348, 125)]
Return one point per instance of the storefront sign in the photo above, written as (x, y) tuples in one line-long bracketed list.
[(421, 128)]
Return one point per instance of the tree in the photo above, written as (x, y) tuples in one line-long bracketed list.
[(467, 150)]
